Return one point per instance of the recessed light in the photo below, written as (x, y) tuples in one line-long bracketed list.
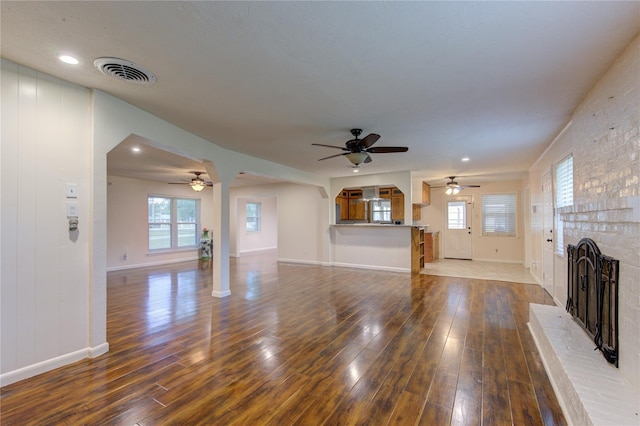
[(68, 59), (465, 159), (136, 149), (356, 170)]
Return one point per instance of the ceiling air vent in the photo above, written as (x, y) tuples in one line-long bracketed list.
[(124, 70)]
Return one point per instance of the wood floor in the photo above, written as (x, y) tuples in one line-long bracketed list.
[(299, 344)]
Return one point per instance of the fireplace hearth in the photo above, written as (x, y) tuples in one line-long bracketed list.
[(592, 295)]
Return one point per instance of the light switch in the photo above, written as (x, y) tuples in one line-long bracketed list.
[(72, 190)]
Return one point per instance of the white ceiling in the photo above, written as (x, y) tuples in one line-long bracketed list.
[(493, 81)]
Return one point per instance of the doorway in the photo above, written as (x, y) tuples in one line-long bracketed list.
[(458, 239), (547, 233)]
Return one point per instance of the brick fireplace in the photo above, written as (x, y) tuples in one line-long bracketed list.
[(604, 139)]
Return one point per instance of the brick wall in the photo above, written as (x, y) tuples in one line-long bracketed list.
[(606, 155)]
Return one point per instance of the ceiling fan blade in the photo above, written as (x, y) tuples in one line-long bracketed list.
[(178, 183), (330, 146), (368, 159), (386, 149), (332, 156), (469, 186), (368, 140)]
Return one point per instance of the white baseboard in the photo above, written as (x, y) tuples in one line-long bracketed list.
[(499, 261), (373, 267), (300, 261), (145, 265), (96, 351), (52, 364), (344, 265), (220, 294), (257, 250)]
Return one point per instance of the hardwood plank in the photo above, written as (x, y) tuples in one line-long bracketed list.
[(407, 410), (434, 415), (524, 407), (300, 344), (495, 397)]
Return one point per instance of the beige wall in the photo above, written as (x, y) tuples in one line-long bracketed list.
[(494, 249)]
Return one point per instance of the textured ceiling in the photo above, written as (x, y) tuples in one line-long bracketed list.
[(492, 81)]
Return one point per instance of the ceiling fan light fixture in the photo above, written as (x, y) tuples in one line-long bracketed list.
[(197, 184), (452, 190), (357, 157)]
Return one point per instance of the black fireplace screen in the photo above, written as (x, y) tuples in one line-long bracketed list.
[(592, 295)]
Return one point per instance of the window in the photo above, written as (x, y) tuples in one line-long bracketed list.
[(456, 215), (253, 217), (499, 215), (564, 196), (173, 222), (381, 210)]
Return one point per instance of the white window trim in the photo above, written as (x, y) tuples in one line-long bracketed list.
[(258, 217), (174, 225)]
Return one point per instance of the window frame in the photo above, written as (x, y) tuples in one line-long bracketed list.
[(257, 218), (563, 196), (461, 222), (511, 232), (383, 211), (174, 224)]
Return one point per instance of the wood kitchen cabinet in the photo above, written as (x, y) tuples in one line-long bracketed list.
[(417, 249), (356, 205), (353, 207), (426, 193), (431, 246), (416, 211), (351, 204), (343, 201), (385, 192), (397, 204)]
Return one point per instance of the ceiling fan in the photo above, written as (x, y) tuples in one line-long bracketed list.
[(453, 188), (197, 183), (357, 150)]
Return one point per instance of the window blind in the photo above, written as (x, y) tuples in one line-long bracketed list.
[(564, 196), (499, 215)]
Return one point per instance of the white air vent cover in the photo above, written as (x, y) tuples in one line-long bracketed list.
[(124, 70)]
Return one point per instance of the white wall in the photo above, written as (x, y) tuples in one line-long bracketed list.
[(604, 137), (303, 224), (46, 143), (495, 249), (267, 237), (302, 214), (127, 221), (53, 288)]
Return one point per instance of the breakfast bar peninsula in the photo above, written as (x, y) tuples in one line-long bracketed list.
[(398, 248)]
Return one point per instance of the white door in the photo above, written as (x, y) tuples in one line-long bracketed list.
[(547, 233), (457, 229)]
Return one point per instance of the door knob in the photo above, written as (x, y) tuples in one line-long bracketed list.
[(549, 240)]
